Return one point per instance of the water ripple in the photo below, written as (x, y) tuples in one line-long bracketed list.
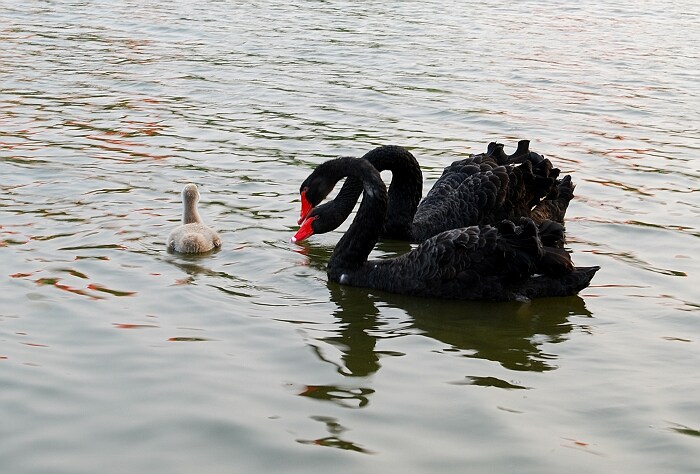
[(108, 108)]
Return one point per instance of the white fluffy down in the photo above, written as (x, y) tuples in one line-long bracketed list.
[(193, 238)]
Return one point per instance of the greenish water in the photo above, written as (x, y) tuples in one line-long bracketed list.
[(116, 356)]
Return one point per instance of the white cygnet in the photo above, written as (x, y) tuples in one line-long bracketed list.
[(192, 236)]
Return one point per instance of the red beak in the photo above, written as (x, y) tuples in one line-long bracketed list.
[(305, 231), (306, 208)]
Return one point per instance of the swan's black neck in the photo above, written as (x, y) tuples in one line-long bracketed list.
[(354, 247), (405, 191), (339, 208)]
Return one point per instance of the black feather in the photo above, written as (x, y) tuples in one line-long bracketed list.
[(503, 262)]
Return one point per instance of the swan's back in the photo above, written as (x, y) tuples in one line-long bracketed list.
[(466, 194), (193, 238), (506, 262), (489, 187)]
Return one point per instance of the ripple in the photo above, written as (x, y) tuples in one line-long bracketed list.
[(110, 107)]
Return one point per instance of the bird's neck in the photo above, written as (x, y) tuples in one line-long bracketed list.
[(354, 247), (405, 191), (190, 214)]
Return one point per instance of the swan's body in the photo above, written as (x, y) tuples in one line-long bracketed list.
[(192, 236), (482, 189), (506, 262)]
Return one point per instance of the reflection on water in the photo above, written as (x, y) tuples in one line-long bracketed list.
[(346, 397), (108, 108), (512, 334), (519, 337), (334, 441)]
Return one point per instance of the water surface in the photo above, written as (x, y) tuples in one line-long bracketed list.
[(119, 357)]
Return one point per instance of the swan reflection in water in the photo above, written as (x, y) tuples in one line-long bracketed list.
[(196, 266), (512, 334)]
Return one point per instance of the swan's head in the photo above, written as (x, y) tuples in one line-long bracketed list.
[(321, 219), (319, 184), (190, 194), (313, 190)]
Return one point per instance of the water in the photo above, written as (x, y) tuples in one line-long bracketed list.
[(119, 357)]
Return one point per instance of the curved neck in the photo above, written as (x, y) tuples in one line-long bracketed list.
[(405, 191), (354, 247), (344, 202)]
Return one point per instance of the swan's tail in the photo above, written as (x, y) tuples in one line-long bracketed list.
[(555, 260), (522, 247), (552, 234), (554, 206), (543, 270), (529, 184), (531, 250), (567, 285), (190, 243), (521, 154), (534, 182)]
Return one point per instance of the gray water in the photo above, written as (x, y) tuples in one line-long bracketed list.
[(116, 356)]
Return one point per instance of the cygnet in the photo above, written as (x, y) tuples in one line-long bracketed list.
[(192, 236)]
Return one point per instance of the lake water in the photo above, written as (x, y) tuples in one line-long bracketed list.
[(116, 356)]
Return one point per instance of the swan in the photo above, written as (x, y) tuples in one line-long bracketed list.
[(502, 262), (192, 236), (482, 189)]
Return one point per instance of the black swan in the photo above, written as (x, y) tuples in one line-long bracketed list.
[(505, 262), (485, 188), (192, 236)]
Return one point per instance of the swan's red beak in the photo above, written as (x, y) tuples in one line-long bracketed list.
[(306, 207), (305, 231)]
